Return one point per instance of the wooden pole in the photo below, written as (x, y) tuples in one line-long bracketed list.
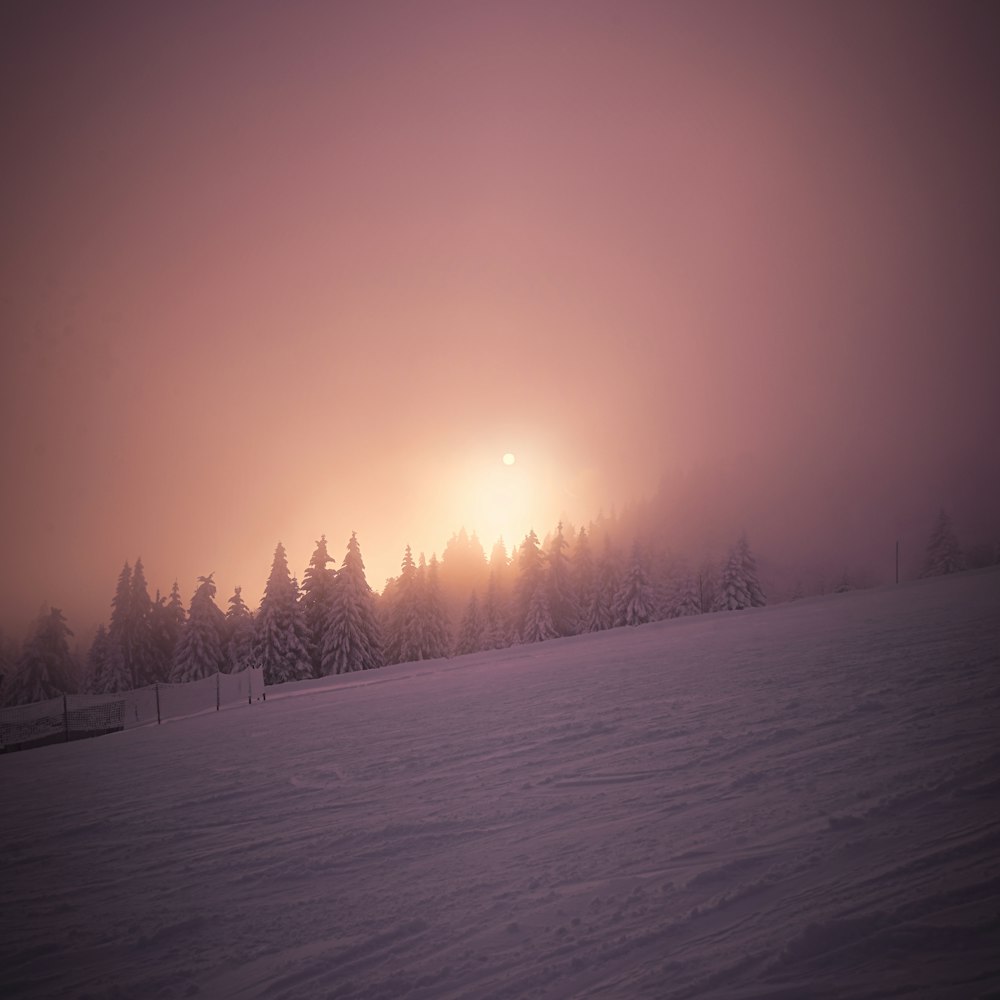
[(157, 687), (66, 718), (217, 676)]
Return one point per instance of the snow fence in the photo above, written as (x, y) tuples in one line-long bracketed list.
[(78, 716)]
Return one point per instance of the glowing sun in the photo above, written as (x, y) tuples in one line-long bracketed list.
[(508, 459)]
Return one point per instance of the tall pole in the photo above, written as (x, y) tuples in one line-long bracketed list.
[(897, 560)]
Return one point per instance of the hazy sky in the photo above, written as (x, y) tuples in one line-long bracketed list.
[(273, 270)]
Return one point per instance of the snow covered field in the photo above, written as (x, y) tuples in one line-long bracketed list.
[(797, 801)]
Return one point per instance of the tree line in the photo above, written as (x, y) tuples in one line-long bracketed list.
[(572, 582)]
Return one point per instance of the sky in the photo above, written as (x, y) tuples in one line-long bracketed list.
[(271, 271)]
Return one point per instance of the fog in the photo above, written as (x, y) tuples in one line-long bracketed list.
[(267, 273)]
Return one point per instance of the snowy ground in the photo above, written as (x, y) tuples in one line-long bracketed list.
[(800, 801)]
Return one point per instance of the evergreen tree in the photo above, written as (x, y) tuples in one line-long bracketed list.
[(97, 663), (317, 599), (684, 597), (496, 631), (403, 637), (166, 621), (559, 587), (583, 578), (119, 671), (635, 602), (8, 658), (435, 639), (739, 587), (199, 651), (281, 639), (599, 613), (470, 633), (708, 585), (538, 625), (239, 634), (528, 602), (943, 552), (45, 668), (143, 665), (353, 640)]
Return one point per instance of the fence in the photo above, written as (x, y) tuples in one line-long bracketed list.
[(78, 716)]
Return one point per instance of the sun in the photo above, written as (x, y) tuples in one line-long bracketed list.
[(508, 458)]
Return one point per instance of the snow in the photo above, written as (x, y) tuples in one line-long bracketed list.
[(790, 801)]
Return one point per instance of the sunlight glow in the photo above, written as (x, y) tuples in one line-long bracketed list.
[(508, 459)]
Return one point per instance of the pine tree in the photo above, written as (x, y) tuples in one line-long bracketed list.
[(97, 663), (943, 552), (281, 639), (635, 602), (45, 668), (683, 598), (353, 639), (599, 613), (739, 587), (239, 634), (435, 640), (496, 630), (199, 652), (470, 633), (537, 626), (317, 599), (403, 635), (559, 587), (583, 577), (528, 603), (8, 658), (119, 672), (166, 621), (143, 652)]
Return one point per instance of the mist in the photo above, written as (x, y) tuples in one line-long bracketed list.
[(267, 274)]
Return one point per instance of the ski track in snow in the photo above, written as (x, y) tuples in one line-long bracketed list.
[(797, 801)]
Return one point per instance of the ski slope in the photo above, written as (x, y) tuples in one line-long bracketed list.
[(796, 801)]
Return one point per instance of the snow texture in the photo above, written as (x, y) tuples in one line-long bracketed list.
[(794, 801)]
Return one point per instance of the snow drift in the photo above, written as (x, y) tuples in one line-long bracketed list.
[(791, 801)]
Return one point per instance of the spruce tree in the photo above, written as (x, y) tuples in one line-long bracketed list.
[(470, 632), (281, 638), (166, 621), (119, 672), (97, 663), (560, 592), (739, 587), (635, 602), (143, 666), (683, 598), (599, 612), (239, 634), (435, 640), (943, 552), (404, 628), (317, 599), (199, 651), (8, 658), (528, 603), (537, 625), (583, 577), (45, 667), (496, 628), (353, 638)]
